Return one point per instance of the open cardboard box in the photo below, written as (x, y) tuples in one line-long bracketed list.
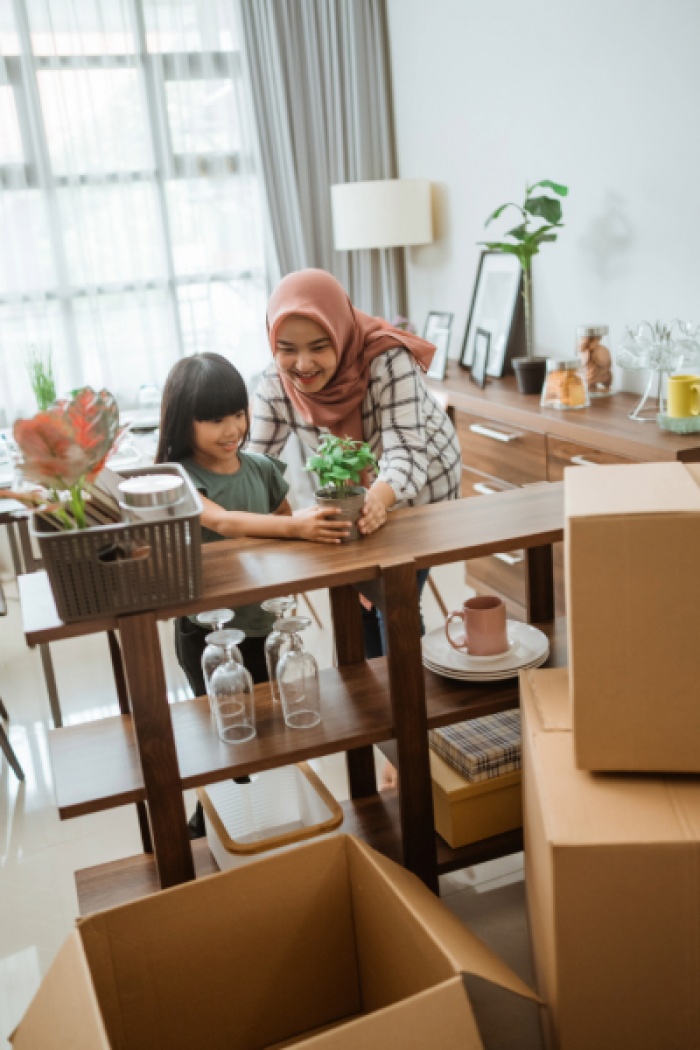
[(633, 604), (612, 870), (330, 946)]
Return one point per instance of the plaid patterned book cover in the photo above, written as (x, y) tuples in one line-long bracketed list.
[(481, 748)]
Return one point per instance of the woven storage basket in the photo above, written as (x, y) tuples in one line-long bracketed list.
[(122, 568)]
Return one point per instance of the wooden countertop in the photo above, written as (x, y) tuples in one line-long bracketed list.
[(604, 425), (240, 571)]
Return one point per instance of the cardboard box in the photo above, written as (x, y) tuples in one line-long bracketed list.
[(330, 936), (612, 866), (466, 812), (632, 536)]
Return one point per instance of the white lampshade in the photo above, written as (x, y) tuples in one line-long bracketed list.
[(387, 213)]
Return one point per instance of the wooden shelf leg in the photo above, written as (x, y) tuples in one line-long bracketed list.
[(155, 739), (407, 688), (540, 584), (350, 649)]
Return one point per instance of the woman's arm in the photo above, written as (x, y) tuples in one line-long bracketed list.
[(404, 462), (270, 424), (317, 524)]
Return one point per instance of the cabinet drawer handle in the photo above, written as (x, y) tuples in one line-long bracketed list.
[(581, 461), (510, 559), (484, 490), (495, 435)]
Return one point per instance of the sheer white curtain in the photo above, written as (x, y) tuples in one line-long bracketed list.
[(130, 210)]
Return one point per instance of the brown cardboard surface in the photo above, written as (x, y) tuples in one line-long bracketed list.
[(439, 1018), (464, 949), (632, 597), (66, 993), (465, 812), (613, 885), (265, 955)]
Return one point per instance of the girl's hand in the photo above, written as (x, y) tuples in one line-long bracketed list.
[(320, 525), (374, 513)]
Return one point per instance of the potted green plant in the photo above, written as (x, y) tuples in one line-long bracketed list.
[(340, 464), (526, 240)]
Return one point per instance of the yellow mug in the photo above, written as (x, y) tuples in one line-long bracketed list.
[(683, 396)]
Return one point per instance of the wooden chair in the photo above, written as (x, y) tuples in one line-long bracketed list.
[(6, 746)]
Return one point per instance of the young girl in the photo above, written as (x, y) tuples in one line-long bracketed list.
[(204, 425)]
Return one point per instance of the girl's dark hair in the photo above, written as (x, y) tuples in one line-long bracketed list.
[(201, 387)]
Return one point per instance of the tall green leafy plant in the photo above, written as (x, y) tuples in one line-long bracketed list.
[(540, 215), (41, 376), (339, 463)]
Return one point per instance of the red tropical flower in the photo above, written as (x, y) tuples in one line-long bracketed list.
[(69, 443)]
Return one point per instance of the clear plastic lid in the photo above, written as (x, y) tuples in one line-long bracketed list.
[(565, 364), (592, 330)]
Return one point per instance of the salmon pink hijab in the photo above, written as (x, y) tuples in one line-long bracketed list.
[(357, 339)]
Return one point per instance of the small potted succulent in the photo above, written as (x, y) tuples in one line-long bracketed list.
[(340, 464)]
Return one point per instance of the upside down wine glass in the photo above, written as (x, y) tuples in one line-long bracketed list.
[(221, 645), (216, 619), (276, 642), (232, 699), (297, 676)]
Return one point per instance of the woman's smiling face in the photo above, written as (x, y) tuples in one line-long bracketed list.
[(305, 354)]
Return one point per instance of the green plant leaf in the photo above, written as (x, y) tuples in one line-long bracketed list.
[(499, 211), (519, 232), (545, 207), (557, 187)]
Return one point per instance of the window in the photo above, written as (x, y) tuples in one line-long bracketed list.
[(130, 211)]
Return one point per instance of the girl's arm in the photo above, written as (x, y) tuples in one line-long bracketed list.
[(317, 524)]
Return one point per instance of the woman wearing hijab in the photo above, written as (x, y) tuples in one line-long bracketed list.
[(337, 369)]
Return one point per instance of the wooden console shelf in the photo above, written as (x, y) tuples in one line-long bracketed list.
[(96, 767), (375, 820), (158, 750)]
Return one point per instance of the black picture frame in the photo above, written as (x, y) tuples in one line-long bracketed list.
[(496, 308), (482, 352), (437, 330)]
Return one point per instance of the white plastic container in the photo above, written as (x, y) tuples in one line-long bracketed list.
[(278, 809)]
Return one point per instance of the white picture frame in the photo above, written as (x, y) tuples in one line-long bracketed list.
[(494, 309), (437, 330)]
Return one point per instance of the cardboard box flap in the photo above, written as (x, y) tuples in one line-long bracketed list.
[(637, 488), (600, 810), (551, 698), (464, 949), (441, 1017), (66, 993), (191, 944)]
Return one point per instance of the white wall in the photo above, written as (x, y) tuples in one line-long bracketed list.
[(602, 95)]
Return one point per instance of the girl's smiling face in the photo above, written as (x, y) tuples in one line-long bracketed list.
[(216, 441), (305, 354)]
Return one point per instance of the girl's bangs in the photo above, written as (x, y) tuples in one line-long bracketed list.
[(217, 396)]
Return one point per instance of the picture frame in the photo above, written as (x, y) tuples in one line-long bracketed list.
[(482, 353), (437, 330), (496, 308)]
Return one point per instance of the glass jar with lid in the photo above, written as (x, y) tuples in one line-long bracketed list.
[(595, 356), (565, 384)]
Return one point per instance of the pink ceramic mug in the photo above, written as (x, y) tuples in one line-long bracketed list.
[(485, 627)]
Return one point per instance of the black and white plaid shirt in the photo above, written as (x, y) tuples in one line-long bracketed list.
[(409, 433)]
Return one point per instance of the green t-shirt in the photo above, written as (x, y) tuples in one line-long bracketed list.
[(258, 487)]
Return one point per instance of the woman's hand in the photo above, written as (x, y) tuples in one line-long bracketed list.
[(320, 525), (377, 502)]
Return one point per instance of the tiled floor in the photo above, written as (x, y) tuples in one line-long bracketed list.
[(39, 853)]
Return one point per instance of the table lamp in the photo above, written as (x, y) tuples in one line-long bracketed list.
[(384, 213)]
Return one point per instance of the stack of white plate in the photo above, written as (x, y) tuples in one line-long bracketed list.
[(527, 647)]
